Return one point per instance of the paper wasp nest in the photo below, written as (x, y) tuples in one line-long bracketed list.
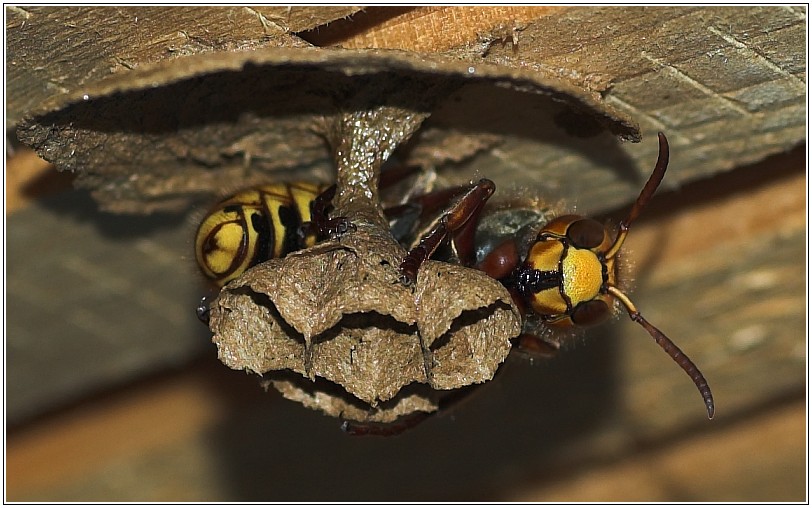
[(332, 326), (338, 313), (339, 317)]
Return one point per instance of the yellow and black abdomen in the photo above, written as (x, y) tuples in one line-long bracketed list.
[(253, 226)]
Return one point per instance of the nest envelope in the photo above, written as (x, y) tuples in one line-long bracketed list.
[(331, 326)]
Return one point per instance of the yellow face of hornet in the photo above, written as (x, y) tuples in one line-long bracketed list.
[(253, 226), (571, 254)]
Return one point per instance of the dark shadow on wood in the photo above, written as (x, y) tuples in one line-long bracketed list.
[(360, 22)]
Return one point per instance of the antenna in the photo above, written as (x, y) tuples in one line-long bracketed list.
[(659, 337)]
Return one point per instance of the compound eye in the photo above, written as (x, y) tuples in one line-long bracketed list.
[(586, 233), (590, 313)]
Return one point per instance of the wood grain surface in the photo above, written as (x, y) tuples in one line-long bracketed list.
[(140, 410)]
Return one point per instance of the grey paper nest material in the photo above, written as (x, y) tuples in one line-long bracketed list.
[(366, 347), (339, 313), (156, 137), (332, 327)]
